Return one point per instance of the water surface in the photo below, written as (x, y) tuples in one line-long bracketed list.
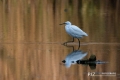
[(31, 38)]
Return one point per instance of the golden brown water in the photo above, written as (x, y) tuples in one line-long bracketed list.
[(31, 38)]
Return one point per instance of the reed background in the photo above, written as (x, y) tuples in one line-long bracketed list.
[(31, 38)]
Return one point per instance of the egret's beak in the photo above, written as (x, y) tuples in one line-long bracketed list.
[(62, 24)]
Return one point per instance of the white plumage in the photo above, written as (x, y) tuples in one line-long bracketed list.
[(73, 30), (73, 57)]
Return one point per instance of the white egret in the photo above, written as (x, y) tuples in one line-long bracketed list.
[(73, 57), (74, 31)]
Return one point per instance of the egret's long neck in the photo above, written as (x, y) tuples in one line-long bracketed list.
[(67, 27)]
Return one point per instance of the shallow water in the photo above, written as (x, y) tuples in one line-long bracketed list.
[(31, 39)]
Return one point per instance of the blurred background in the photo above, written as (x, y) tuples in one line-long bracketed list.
[(31, 38)]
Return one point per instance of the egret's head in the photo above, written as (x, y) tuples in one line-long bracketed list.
[(66, 23)]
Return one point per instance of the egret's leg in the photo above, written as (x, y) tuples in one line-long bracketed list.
[(68, 42), (79, 43), (65, 44)]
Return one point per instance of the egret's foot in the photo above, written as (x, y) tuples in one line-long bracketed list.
[(65, 44)]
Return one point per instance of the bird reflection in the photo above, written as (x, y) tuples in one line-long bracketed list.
[(73, 57), (91, 62)]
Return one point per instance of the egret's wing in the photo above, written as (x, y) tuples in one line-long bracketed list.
[(75, 30), (76, 55)]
